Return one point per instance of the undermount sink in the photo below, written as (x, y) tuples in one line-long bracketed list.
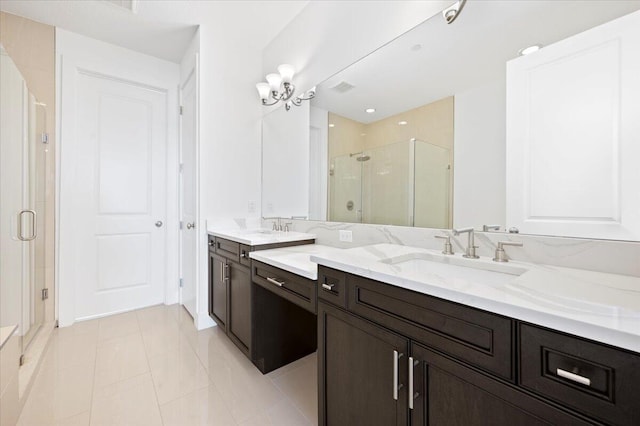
[(456, 268)]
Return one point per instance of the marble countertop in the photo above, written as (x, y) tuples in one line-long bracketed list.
[(295, 259), (599, 306), (5, 334), (259, 236)]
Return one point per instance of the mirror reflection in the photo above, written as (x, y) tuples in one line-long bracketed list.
[(418, 132)]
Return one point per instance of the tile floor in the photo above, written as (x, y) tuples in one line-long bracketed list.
[(152, 367)]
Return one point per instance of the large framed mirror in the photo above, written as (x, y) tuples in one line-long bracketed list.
[(516, 114)]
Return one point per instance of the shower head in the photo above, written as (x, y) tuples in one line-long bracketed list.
[(361, 156)]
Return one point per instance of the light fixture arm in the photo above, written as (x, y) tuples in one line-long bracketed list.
[(283, 93)]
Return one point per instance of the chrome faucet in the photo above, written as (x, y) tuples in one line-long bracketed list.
[(447, 248), (470, 252), (501, 255)]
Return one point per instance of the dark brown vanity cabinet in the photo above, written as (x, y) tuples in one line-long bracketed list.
[(230, 291), (269, 332), (387, 355)]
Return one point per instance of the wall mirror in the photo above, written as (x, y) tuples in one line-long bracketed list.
[(451, 125)]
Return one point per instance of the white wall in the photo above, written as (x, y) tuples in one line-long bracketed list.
[(318, 163), (229, 150), (479, 134)]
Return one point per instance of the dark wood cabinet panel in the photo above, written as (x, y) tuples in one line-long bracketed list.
[(239, 317), (218, 289), (449, 393), (357, 371), (603, 382), (291, 287), (228, 249), (481, 338)]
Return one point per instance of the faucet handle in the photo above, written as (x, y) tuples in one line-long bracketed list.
[(501, 255), (275, 227), (286, 226), (447, 248)]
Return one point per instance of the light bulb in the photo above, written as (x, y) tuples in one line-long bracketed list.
[(263, 90), (286, 72), (274, 81)]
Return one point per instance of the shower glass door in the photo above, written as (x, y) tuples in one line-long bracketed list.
[(22, 203)]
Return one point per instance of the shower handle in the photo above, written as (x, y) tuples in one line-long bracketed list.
[(34, 230)]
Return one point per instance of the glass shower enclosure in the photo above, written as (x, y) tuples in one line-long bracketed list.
[(405, 183), (23, 160)]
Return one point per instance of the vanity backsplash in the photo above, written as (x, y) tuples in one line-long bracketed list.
[(616, 257)]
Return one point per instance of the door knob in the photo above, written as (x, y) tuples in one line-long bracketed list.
[(159, 223), (191, 225)]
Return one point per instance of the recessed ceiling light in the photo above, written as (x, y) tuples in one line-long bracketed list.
[(332, 125), (530, 49), (370, 110), (402, 123), (363, 134)]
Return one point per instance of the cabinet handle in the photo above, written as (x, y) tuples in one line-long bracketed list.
[(276, 282), (328, 287), (395, 375), (411, 394), (573, 377), (226, 271), (243, 254), (222, 271)]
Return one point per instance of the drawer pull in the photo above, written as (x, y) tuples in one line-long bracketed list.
[(573, 377), (328, 287), (276, 282)]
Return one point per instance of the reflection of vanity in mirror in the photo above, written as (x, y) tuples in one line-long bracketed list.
[(452, 125)]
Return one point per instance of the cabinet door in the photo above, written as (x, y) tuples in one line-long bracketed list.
[(446, 392), (218, 289), (239, 325), (362, 371)]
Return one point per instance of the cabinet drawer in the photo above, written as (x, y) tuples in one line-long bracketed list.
[(594, 379), (244, 255), (292, 287), (331, 286), (228, 249), (477, 337)]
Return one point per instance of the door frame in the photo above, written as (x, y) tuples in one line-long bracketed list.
[(163, 75), (190, 68)]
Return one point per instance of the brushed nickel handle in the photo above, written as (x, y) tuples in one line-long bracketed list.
[(573, 377), (191, 225), (328, 287), (276, 282), (159, 224), (222, 271), (34, 231), (226, 272), (411, 394), (243, 254), (395, 375)]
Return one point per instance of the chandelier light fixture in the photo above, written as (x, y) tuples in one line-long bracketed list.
[(280, 88)]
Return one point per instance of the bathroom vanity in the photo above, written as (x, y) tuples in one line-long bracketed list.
[(389, 352), (231, 298)]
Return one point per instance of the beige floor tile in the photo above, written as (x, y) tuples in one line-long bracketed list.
[(300, 385), (161, 338), (129, 402), (120, 358), (284, 413), (69, 349), (309, 359), (58, 394), (82, 419), (202, 407), (155, 316), (244, 389), (177, 373), (118, 326)]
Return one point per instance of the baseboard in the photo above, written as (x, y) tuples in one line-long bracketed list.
[(204, 321)]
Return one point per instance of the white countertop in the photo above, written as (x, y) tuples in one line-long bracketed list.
[(598, 306), (295, 259), (256, 237), (5, 334)]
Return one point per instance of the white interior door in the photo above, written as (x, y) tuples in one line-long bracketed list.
[(115, 114), (188, 232)]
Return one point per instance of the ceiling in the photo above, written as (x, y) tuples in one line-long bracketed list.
[(161, 28), (436, 60)]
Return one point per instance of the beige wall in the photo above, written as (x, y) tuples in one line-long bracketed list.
[(432, 123), (31, 46), (346, 137)]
